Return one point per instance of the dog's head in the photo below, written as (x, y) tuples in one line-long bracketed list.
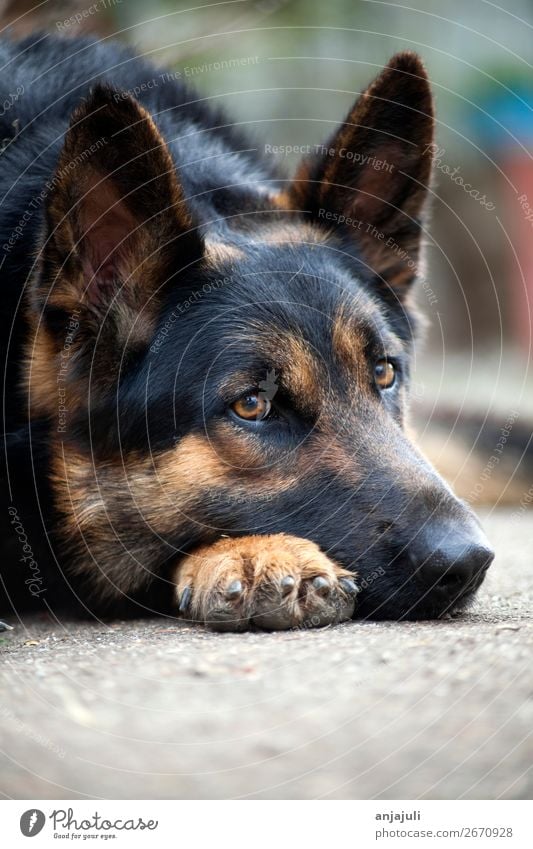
[(234, 350)]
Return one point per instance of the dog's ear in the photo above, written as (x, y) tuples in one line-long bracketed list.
[(117, 224), (371, 178), (118, 232)]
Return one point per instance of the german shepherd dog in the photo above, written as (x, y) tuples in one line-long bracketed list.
[(206, 364)]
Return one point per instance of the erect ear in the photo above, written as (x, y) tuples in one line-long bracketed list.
[(371, 177), (118, 227)]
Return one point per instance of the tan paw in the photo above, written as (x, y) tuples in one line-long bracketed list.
[(276, 582)]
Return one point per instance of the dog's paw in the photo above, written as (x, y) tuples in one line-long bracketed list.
[(276, 582)]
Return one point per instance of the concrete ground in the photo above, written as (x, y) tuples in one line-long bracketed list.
[(392, 710)]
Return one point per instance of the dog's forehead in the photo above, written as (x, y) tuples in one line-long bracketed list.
[(294, 290), (296, 307)]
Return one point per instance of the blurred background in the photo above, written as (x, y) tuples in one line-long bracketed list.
[(289, 70)]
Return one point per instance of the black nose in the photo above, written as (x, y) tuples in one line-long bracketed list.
[(449, 564)]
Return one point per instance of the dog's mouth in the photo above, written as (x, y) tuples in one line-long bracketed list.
[(464, 597), (409, 602), (450, 607)]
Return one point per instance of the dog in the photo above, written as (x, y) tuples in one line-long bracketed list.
[(207, 363)]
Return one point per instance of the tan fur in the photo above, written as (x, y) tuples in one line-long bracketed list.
[(40, 371), (218, 253), (302, 370), (292, 234), (348, 345)]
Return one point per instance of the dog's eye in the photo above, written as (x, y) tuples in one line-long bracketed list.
[(384, 374), (251, 407)]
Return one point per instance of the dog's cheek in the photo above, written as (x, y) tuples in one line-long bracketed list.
[(103, 527), (119, 519)]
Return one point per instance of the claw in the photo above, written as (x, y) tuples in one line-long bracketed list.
[(185, 599), (349, 586), (287, 584), (234, 590), (5, 627), (321, 585)]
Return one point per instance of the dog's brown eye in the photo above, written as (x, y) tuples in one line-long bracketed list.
[(251, 407), (384, 374)]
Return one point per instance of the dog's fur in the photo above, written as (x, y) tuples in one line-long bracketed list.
[(159, 273)]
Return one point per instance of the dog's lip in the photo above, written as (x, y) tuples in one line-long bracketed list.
[(424, 609), (457, 604)]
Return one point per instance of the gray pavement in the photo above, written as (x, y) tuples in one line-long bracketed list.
[(155, 709)]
